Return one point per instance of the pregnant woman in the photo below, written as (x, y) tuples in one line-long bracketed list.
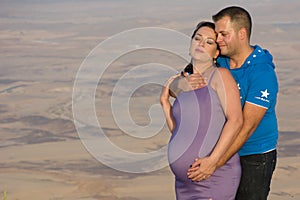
[(203, 123)]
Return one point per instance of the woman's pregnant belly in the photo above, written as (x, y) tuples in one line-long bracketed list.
[(196, 131)]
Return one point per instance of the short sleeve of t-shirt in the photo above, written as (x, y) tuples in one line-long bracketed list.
[(263, 86)]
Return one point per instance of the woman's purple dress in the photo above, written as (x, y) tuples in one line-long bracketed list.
[(199, 121)]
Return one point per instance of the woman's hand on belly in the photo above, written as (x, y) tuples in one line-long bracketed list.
[(202, 169)]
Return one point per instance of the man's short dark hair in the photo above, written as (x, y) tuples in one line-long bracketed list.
[(238, 16)]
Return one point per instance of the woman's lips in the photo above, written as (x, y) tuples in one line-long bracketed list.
[(199, 50)]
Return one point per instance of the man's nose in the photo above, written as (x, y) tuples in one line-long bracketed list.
[(219, 38)]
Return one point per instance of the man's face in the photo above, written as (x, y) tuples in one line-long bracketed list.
[(227, 37)]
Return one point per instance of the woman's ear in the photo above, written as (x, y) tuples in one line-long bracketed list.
[(216, 54)]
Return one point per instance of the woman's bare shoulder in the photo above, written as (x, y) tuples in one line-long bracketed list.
[(223, 70)]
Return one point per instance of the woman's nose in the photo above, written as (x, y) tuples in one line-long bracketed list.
[(202, 43)]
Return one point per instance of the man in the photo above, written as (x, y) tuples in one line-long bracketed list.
[(253, 69)]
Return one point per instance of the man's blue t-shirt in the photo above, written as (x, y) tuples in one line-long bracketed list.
[(257, 83)]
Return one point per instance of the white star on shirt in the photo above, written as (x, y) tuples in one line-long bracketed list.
[(264, 93)]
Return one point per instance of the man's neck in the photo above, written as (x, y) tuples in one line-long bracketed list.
[(238, 60)]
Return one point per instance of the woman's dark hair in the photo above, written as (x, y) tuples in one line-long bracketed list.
[(203, 24), (189, 69)]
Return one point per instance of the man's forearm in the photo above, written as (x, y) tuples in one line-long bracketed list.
[(233, 149), (252, 115)]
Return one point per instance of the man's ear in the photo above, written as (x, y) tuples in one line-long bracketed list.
[(243, 33)]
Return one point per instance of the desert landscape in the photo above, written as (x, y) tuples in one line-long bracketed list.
[(43, 44)]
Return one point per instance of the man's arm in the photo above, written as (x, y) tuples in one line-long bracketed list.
[(252, 115)]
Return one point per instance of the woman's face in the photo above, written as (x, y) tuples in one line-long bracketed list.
[(204, 41)]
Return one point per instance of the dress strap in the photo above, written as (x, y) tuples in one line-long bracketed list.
[(211, 75)]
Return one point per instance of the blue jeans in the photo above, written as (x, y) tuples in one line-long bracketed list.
[(257, 171)]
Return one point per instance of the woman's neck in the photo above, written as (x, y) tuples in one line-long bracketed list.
[(202, 67)]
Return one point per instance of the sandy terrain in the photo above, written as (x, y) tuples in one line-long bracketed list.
[(43, 44)]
